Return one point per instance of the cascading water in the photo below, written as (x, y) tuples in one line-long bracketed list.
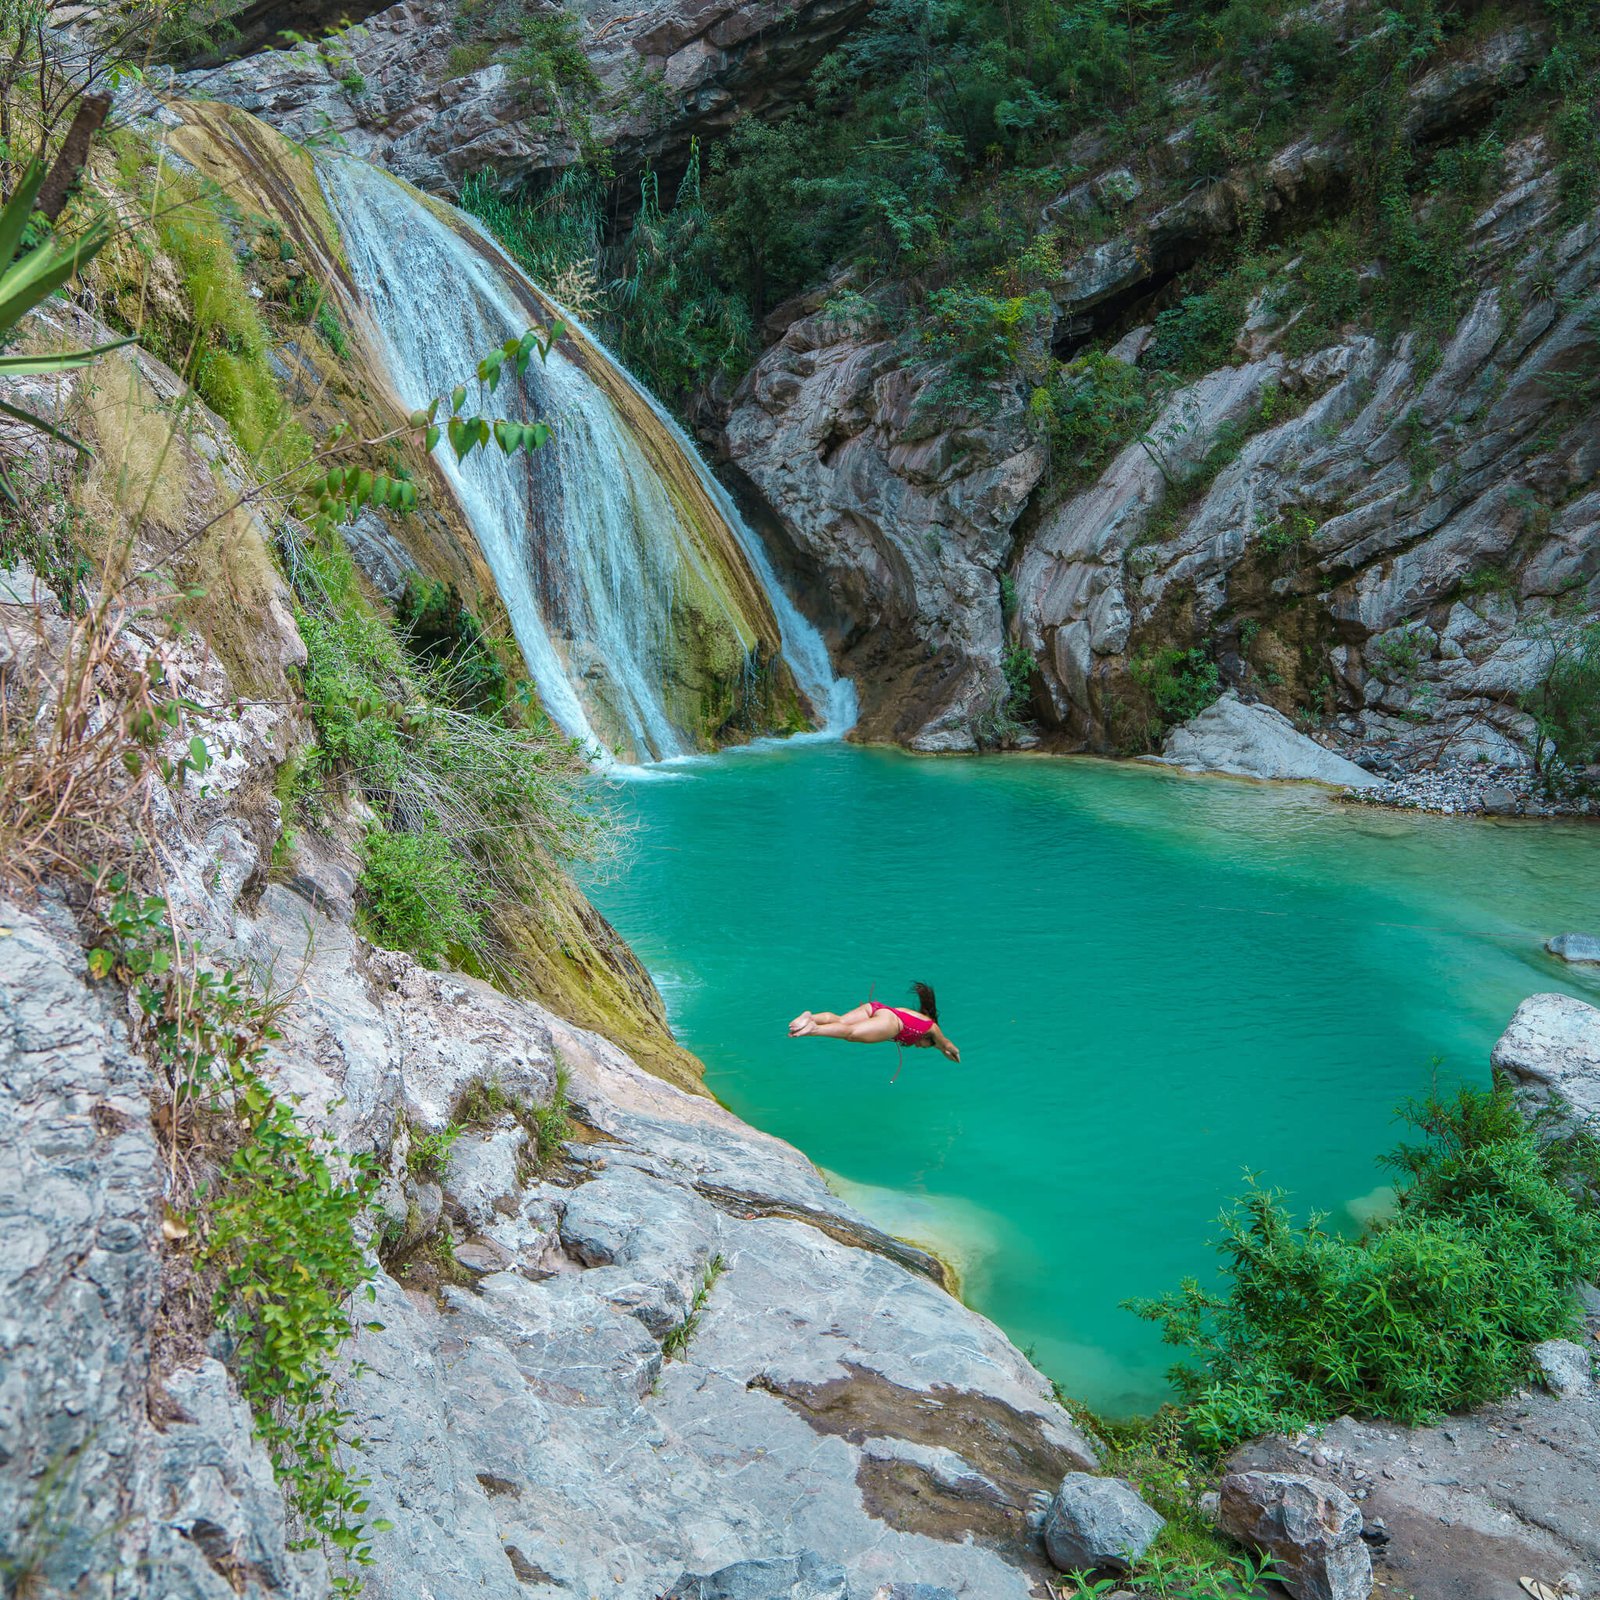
[(614, 542)]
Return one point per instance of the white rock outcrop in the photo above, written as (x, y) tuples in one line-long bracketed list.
[(1254, 741), (1552, 1051)]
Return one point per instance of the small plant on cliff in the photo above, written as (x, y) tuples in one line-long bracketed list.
[(1180, 683), (1430, 1311), (678, 1336), (274, 1223), (1566, 704)]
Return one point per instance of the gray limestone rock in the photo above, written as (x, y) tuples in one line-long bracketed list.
[(483, 1174), (1552, 1051), (1254, 741), (1312, 1530), (393, 93), (803, 1577), (1098, 1522), (1580, 948), (1564, 1366), (92, 1491)]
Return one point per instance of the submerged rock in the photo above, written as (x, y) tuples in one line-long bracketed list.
[(1254, 741), (1098, 1522), (1582, 949), (1310, 1528)]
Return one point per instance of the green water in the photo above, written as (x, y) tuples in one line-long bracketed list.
[(1156, 982)]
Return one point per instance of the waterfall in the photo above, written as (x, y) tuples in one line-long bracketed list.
[(630, 579)]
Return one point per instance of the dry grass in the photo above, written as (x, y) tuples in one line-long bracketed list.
[(79, 708)]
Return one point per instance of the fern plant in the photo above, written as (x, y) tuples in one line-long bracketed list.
[(31, 270)]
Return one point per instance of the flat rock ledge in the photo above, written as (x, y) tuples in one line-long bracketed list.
[(827, 1408), (1246, 740)]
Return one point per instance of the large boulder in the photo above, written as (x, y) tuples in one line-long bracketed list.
[(1311, 1529), (1098, 1522), (1254, 741), (1551, 1051)]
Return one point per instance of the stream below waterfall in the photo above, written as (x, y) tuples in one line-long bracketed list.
[(1157, 982)]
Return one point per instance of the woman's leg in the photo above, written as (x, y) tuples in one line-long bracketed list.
[(878, 1029), (803, 1024)]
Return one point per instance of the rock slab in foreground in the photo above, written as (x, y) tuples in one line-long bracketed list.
[(1098, 1522), (1254, 741), (1311, 1529)]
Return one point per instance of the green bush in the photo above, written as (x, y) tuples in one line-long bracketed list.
[(1430, 1311), (981, 339), (418, 894), (476, 807), (1566, 706), (277, 1225), (1180, 683), (1089, 410)]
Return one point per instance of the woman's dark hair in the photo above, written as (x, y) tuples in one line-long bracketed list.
[(925, 1001)]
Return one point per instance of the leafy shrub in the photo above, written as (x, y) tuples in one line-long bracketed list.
[(1089, 410), (447, 639), (429, 1153), (475, 809), (981, 338), (1399, 655), (418, 894), (1292, 528), (1566, 705), (1180, 683), (1421, 1314), (678, 321)]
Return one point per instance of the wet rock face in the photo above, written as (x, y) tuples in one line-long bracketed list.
[(416, 89), (1399, 541), (898, 530), (1311, 1529)]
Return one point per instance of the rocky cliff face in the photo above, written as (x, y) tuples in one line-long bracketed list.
[(658, 1351), (423, 87), (649, 1352), (1378, 537)]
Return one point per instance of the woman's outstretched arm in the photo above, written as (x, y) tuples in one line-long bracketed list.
[(942, 1044)]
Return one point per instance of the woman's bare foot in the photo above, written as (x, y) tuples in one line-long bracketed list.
[(802, 1025)]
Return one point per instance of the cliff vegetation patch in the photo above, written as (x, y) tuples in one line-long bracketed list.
[(1429, 1311)]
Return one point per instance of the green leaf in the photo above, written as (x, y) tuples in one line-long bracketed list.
[(458, 397), (430, 439)]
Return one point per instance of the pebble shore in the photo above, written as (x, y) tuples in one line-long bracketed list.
[(1471, 789)]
